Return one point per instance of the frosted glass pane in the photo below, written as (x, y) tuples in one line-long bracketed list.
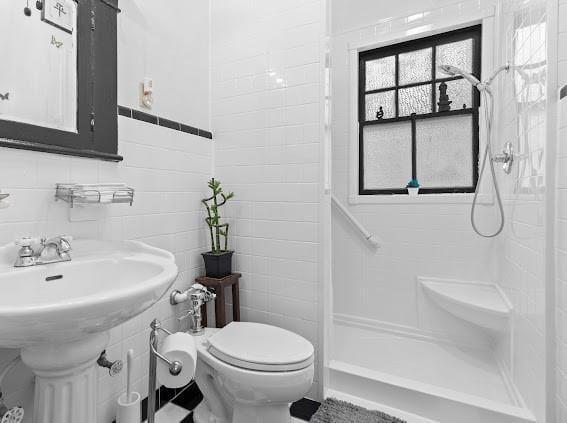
[(457, 54), (387, 155), (415, 100), (386, 99), (444, 152), (415, 66), (459, 92), (381, 73)]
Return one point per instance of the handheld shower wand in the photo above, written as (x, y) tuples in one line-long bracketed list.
[(488, 106), (455, 71)]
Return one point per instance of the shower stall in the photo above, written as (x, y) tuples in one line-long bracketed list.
[(435, 323)]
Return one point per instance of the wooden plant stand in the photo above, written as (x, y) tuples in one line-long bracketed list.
[(218, 285)]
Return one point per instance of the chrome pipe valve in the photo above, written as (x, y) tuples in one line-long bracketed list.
[(114, 367), (198, 295)]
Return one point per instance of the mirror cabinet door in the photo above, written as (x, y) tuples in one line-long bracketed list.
[(56, 56), (38, 78)]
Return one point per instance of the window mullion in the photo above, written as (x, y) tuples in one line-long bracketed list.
[(413, 148), (433, 84), (397, 85)]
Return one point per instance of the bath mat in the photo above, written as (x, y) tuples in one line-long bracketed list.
[(335, 411)]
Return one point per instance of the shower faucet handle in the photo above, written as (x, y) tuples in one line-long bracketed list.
[(506, 158)]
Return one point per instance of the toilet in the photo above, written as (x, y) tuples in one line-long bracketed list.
[(251, 373)]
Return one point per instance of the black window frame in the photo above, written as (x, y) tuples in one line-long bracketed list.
[(474, 32), (97, 118)]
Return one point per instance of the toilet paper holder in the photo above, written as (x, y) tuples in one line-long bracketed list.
[(175, 367)]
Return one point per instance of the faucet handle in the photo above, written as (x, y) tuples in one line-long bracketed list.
[(66, 242), (190, 313), (25, 241)]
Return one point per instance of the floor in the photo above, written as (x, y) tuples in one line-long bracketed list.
[(179, 409), (172, 413)]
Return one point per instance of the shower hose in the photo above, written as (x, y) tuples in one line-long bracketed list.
[(488, 109)]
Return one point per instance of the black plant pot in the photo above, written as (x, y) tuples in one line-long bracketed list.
[(218, 265)]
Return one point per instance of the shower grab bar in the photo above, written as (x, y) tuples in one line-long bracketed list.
[(370, 238)]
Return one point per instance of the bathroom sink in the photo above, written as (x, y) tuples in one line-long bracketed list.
[(105, 284)]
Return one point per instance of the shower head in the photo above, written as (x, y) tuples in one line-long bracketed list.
[(455, 71)]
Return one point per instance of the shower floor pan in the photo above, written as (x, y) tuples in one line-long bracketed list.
[(437, 381)]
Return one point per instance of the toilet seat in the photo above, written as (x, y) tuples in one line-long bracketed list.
[(255, 346)]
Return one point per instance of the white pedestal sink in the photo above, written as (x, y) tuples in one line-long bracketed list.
[(59, 316)]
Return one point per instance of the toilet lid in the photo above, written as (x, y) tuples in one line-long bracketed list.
[(255, 346)]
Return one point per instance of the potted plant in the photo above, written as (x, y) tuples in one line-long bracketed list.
[(413, 187), (218, 261)]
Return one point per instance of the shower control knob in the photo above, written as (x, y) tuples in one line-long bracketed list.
[(506, 158)]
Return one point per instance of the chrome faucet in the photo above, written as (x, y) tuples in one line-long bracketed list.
[(47, 250)]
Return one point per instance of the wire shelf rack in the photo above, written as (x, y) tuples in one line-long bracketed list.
[(83, 194)]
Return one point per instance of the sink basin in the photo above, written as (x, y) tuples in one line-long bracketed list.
[(59, 315), (105, 284)]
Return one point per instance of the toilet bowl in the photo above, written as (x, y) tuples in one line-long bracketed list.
[(251, 373)]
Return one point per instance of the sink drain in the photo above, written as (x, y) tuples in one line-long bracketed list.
[(53, 278)]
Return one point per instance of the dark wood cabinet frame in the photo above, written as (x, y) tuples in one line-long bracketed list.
[(97, 120), (395, 50)]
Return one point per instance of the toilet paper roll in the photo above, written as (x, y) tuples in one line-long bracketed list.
[(177, 347)]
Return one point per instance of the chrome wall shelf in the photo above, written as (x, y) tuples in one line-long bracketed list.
[(94, 194)]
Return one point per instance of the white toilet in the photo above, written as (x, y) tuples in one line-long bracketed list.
[(250, 373)]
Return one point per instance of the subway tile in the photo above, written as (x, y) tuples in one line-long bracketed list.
[(169, 124), (144, 117)]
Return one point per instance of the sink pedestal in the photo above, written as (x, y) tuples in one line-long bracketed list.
[(66, 379)]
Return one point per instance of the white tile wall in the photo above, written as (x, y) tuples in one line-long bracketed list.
[(266, 68), (168, 169), (521, 248), (169, 43), (561, 287)]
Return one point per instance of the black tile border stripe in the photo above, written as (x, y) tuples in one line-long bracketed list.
[(563, 92), (161, 121)]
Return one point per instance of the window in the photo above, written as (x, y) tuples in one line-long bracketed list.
[(407, 128)]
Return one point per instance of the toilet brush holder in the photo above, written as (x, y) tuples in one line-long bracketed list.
[(129, 410)]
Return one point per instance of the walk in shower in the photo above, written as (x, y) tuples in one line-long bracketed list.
[(434, 322)]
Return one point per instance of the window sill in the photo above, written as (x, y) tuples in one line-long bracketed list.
[(420, 199)]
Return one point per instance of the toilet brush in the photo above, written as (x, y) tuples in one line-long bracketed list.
[(129, 359), (128, 409)]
